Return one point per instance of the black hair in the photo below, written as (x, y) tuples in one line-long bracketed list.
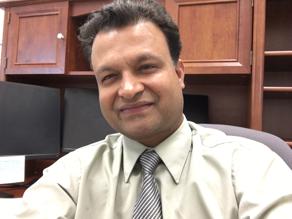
[(122, 13)]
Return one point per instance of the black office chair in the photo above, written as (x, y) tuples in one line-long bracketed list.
[(275, 143)]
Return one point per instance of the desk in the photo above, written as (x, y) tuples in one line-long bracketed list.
[(33, 171)]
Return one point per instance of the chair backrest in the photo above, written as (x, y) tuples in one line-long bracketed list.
[(278, 145)]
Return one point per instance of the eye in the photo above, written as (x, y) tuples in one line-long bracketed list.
[(149, 67), (108, 78)]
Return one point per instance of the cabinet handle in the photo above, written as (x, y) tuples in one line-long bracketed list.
[(60, 36)]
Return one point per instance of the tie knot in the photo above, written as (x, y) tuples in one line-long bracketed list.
[(149, 161)]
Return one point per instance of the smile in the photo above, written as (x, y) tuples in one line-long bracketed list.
[(135, 108)]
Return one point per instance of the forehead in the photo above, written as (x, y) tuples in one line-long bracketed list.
[(143, 37)]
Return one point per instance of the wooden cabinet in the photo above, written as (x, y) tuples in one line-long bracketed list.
[(273, 67), (277, 85), (216, 35), (36, 39)]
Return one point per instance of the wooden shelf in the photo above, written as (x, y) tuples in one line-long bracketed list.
[(278, 53), (81, 73), (277, 89)]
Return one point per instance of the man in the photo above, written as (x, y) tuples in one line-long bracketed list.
[(195, 172)]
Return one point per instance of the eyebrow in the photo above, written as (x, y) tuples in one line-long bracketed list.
[(104, 69), (146, 56), (138, 59)]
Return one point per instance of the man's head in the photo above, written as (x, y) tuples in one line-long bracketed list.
[(140, 84), (122, 13)]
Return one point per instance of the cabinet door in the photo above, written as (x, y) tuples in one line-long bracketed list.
[(36, 42), (216, 34)]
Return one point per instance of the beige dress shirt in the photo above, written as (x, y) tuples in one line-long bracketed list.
[(205, 174)]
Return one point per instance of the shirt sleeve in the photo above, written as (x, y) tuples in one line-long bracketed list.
[(54, 195), (262, 183)]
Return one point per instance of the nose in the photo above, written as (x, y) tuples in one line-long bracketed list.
[(130, 86)]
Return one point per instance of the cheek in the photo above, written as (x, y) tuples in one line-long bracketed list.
[(106, 101), (173, 91), (168, 82)]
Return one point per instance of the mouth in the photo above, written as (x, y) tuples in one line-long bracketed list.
[(135, 108)]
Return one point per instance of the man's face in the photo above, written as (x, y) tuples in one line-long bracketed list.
[(140, 89)]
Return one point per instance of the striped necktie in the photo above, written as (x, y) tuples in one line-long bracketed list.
[(148, 204)]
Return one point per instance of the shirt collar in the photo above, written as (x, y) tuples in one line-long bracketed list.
[(131, 152), (173, 151)]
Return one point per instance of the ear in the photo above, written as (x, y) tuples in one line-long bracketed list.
[(180, 73)]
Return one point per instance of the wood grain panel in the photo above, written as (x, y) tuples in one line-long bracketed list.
[(43, 38), (216, 35), (33, 46), (256, 87), (202, 31)]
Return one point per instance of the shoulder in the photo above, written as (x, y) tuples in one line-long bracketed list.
[(111, 143), (209, 139), (69, 171), (82, 157), (238, 154)]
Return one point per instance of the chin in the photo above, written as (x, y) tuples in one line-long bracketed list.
[(136, 133)]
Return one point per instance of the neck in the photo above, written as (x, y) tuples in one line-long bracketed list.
[(154, 140)]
